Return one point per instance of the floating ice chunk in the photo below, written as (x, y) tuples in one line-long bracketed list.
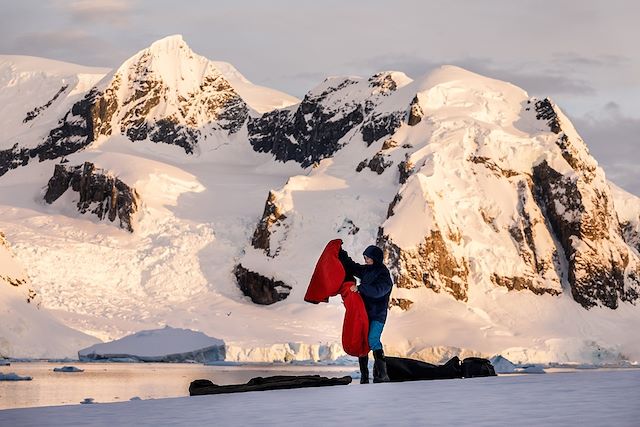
[(12, 376), (502, 365), (68, 369), (530, 369)]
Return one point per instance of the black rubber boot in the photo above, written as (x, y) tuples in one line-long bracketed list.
[(379, 367), (364, 369)]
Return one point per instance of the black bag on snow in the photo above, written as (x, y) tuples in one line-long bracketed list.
[(402, 369), (477, 367)]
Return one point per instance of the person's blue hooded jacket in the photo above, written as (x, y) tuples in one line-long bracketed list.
[(375, 282)]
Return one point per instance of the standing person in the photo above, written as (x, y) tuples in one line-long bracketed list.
[(375, 289)]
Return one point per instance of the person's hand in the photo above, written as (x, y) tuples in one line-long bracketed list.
[(354, 288)]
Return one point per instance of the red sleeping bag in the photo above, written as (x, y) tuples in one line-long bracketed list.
[(327, 281)]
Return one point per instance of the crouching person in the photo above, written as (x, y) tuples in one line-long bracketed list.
[(375, 289)]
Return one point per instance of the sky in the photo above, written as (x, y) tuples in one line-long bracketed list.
[(581, 53)]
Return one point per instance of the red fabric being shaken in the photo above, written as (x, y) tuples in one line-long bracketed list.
[(355, 328), (328, 276), (327, 281)]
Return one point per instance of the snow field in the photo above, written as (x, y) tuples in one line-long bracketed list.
[(562, 399)]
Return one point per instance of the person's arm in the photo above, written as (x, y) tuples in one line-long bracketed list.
[(375, 285), (351, 267)]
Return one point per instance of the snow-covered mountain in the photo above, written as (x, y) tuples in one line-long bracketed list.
[(500, 228), (165, 93)]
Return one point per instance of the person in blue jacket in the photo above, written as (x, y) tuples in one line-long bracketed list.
[(375, 289)]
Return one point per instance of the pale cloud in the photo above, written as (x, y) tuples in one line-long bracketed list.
[(533, 79), (614, 140), (115, 12), (608, 60), (72, 45)]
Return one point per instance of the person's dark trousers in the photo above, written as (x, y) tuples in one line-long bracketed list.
[(364, 369), (379, 367)]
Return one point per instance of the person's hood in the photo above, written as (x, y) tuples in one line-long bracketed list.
[(375, 253)]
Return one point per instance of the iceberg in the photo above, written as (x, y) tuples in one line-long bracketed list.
[(158, 345)]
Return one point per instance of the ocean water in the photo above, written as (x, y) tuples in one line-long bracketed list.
[(116, 382)]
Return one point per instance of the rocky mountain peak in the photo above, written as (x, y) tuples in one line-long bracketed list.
[(388, 81), (169, 43), (171, 61), (165, 93), (170, 94), (313, 130)]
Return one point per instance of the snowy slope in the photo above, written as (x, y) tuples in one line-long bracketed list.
[(259, 98), (48, 89), (563, 399), (445, 172), (27, 329)]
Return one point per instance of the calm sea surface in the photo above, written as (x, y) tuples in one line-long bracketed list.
[(114, 382)]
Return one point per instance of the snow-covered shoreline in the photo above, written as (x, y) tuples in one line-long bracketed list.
[(586, 398)]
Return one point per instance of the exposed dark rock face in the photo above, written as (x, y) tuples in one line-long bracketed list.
[(348, 225), (312, 131), (380, 125), (390, 211), (260, 289), (432, 265), (13, 281), (518, 283), (74, 132), (388, 144), (402, 303), (631, 234), (30, 294), (523, 232), (384, 82), (312, 126), (377, 164), (574, 152), (545, 111), (579, 208), (405, 168), (167, 132), (598, 261), (493, 166), (100, 193), (272, 216), (13, 157), (415, 112), (34, 113), (489, 220)]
